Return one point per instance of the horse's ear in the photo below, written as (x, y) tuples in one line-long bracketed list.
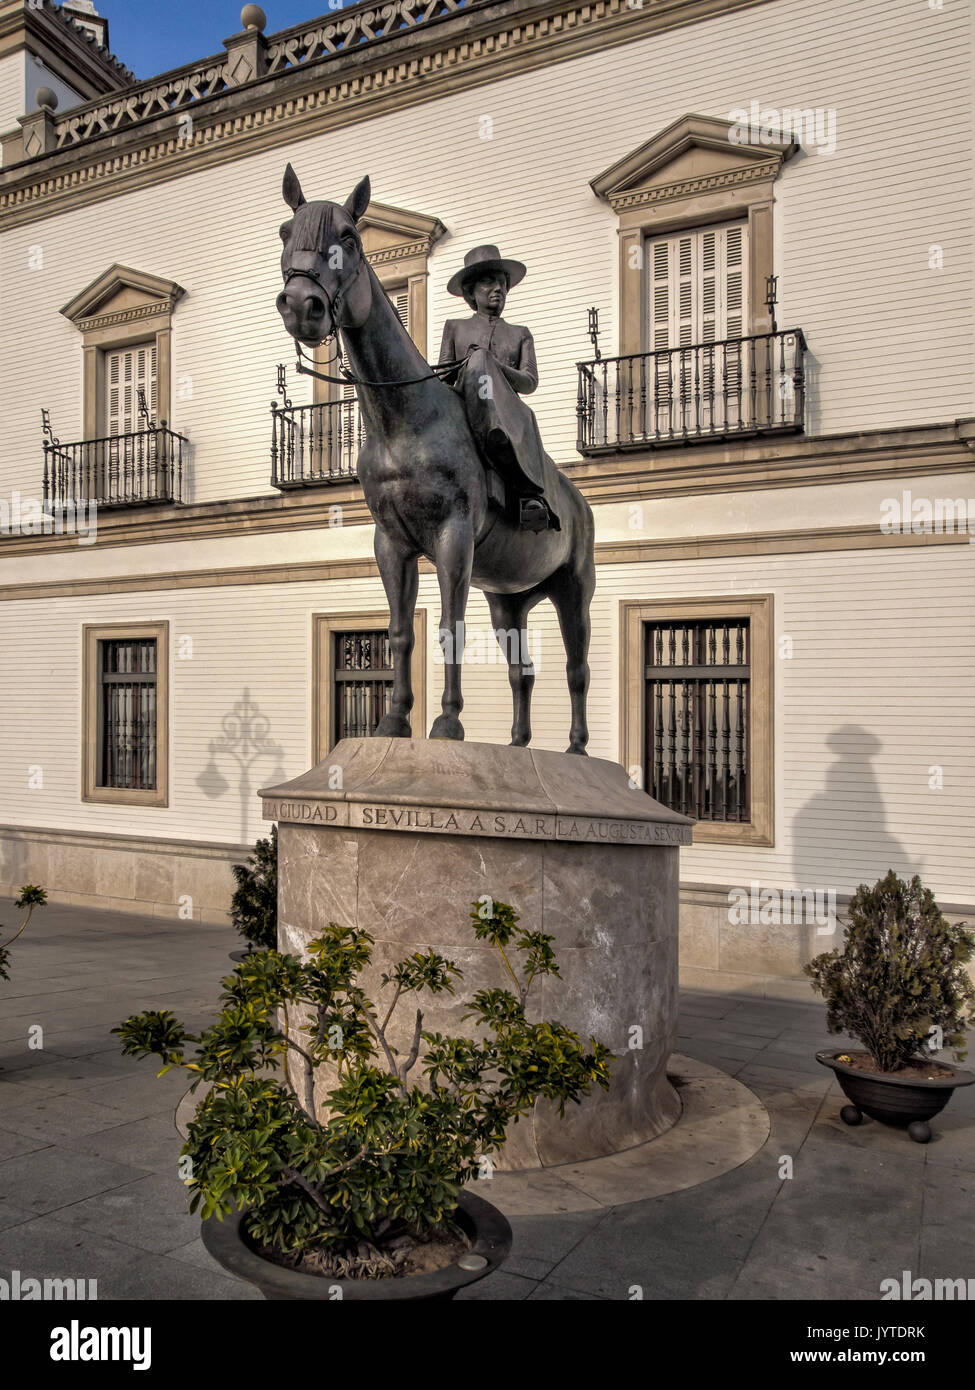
[(293, 195), (358, 199)]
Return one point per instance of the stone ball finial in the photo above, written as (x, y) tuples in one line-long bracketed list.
[(46, 99), (253, 17)]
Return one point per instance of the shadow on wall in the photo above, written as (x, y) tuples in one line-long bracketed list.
[(243, 742), (844, 827)]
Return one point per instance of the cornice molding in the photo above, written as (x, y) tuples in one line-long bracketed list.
[(688, 188), (163, 308), (410, 250), (746, 466), (761, 464), (809, 540), (471, 47)]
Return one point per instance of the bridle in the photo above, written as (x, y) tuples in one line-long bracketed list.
[(334, 305)]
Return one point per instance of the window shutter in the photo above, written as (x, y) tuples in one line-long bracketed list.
[(697, 288), (126, 370), (734, 325), (401, 303), (685, 298), (659, 262)]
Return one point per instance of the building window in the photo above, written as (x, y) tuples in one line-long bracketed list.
[(123, 315), (127, 372), (683, 184), (697, 676), (362, 672), (127, 714), (125, 753), (354, 677), (697, 711), (696, 286)]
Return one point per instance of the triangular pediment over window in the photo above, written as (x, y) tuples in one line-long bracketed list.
[(121, 294), (393, 234), (695, 155)]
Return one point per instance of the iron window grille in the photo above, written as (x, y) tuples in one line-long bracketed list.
[(363, 682), (697, 709), (127, 723)]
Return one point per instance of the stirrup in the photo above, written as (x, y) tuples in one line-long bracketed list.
[(533, 514)]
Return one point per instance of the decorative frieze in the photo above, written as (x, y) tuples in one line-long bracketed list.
[(377, 59)]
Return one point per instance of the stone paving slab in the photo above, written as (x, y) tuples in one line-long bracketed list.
[(88, 1151)]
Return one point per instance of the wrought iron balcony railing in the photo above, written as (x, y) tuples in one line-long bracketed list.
[(313, 444), (724, 390), (122, 470)]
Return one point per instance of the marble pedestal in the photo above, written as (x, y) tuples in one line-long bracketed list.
[(399, 836)]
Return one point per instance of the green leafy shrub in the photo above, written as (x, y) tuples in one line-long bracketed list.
[(393, 1152), (254, 906), (900, 975), (30, 897)]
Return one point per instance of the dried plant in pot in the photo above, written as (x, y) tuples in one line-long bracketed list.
[(361, 1196), (899, 985)]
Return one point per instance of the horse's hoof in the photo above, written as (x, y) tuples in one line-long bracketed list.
[(577, 748), (447, 726), (521, 740), (394, 726)]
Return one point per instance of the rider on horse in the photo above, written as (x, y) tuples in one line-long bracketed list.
[(498, 361)]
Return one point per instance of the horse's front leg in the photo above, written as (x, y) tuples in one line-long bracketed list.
[(453, 556), (400, 576)]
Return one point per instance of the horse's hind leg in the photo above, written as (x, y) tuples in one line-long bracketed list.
[(509, 614), (571, 589)]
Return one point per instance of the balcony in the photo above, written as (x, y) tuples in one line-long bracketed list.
[(122, 470), (315, 444), (684, 395)]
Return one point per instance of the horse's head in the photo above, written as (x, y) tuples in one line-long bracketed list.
[(321, 264)]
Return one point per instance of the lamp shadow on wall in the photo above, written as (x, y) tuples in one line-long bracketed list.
[(244, 740), (846, 822)]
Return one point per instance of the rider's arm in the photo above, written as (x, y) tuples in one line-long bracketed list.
[(524, 377), (447, 353)]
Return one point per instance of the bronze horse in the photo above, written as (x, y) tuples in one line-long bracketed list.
[(425, 484)]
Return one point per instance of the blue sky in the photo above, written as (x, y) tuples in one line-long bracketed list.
[(152, 36)]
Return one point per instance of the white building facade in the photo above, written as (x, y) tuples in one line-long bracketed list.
[(769, 205)]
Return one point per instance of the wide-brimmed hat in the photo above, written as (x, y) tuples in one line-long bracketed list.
[(485, 259)]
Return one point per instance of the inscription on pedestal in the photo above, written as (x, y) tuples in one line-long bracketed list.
[(445, 820)]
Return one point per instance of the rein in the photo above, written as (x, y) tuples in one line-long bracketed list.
[(347, 379)]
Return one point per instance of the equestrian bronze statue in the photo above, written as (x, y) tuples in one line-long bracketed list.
[(452, 467)]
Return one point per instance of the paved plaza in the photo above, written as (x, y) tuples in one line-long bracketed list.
[(88, 1149)]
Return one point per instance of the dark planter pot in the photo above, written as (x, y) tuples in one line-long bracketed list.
[(894, 1100), (487, 1229)]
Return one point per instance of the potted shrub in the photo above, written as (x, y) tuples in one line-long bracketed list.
[(361, 1197), (30, 897), (254, 906), (900, 986)]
